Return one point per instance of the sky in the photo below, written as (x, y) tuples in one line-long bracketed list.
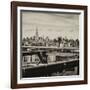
[(52, 25)]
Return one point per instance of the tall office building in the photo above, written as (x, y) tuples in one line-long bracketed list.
[(36, 35)]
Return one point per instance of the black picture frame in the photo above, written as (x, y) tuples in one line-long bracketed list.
[(14, 6)]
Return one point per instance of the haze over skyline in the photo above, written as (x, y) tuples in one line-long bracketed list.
[(52, 25)]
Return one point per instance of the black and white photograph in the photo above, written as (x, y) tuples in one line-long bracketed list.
[(49, 44)]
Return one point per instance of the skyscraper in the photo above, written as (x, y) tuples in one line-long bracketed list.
[(36, 35)]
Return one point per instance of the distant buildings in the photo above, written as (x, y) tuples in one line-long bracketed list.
[(57, 42)]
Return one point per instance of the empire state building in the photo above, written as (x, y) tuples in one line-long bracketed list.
[(36, 35)]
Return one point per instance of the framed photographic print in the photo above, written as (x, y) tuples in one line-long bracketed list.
[(48, 44)]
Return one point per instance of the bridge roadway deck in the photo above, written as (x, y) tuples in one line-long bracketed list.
[(50, 47)]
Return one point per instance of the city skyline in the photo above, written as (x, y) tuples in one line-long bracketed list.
[(50, 24)]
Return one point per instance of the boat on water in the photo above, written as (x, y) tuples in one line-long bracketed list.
[(44, 62)]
